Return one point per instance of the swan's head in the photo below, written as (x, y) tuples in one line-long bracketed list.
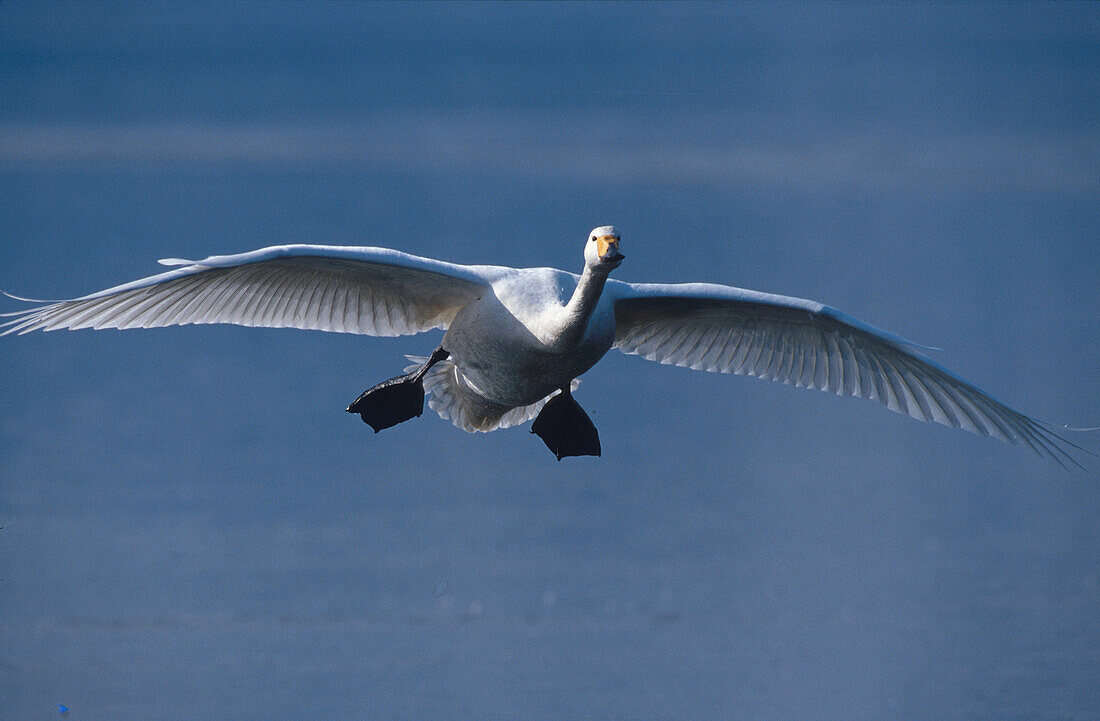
[(601, 252)]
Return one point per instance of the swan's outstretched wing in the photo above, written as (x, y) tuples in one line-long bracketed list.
[(372, 291), (809, 345)]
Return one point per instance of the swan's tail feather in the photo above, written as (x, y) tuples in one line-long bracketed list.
[(451, 396)]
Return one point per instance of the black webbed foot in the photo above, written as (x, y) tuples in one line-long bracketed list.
[(565, 428), (390, 402), (396, 400)]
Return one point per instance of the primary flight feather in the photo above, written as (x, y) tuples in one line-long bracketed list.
[(517, 338)]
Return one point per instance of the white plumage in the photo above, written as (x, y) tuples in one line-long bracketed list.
[(516, 336)]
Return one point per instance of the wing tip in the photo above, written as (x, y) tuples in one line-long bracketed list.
[(1056, 446), (21, 299)]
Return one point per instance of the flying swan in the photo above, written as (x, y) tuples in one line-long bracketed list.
[(517, 338)]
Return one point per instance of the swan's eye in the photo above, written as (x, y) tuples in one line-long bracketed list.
[(592, 239)]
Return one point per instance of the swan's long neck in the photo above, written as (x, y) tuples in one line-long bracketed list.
[(579, 309)]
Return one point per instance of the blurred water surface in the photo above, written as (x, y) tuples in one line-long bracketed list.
[(192, 527)]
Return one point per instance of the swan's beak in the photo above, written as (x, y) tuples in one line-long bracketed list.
[(607, 247)]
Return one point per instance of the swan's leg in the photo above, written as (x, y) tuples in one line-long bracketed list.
[(396, 400), (565, 428)]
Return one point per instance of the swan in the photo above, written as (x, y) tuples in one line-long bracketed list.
[(516, 339)]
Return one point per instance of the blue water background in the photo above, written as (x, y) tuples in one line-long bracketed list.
[(193, 527)]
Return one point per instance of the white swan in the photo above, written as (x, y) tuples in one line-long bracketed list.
[(517, 338)]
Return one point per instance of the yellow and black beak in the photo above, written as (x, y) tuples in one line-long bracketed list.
[(607, 247)]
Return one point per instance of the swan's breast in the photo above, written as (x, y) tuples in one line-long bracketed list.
[(536, 298), (504, 342)]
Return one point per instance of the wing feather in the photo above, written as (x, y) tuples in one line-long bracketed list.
[(809, 345), (371, 291)]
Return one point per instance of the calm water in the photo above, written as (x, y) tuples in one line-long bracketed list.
[(193, 527)]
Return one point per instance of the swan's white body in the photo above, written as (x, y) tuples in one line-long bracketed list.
[(514, 345), (516, 336)]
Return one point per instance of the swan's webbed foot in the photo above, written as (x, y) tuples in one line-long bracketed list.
[(396, 400), (390, 402), (565, 428)]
